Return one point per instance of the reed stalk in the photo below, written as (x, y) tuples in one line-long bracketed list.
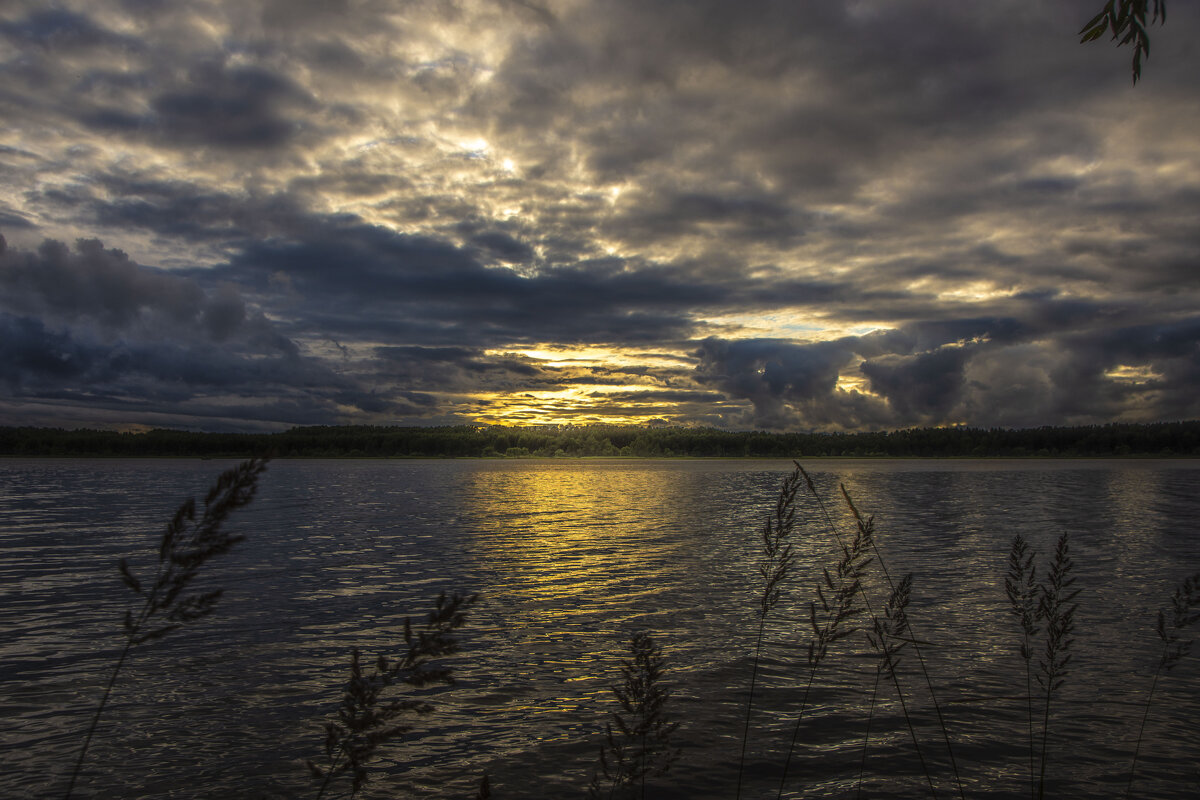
[(837, 596), (860, 521), (862, 765), (1056, 606), (774, 567), (916, 646), (1021, 587), (1183, 615), (638, 740), (187, 544), (366, 719), (889, 636)]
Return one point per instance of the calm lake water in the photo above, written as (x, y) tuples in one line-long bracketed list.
[(570, 558)]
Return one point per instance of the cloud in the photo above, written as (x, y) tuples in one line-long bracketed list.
[(104, 288), (62, 30), (27, 348), (788, 384), (823, 215), (91, 325), (216, 105), (921, 388), (366, 280)]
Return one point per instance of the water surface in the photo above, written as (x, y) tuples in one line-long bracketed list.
[(570, 557)]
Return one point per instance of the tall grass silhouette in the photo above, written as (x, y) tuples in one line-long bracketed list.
[(861, 550), (840, 598), (1020, 584), (774, 567), (1045, 613), (1057, 606), (889, 636), (638, 739), (1170, 629), (366, 719), (187, 545)]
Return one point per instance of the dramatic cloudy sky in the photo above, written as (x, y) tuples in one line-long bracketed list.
[(252, 214)]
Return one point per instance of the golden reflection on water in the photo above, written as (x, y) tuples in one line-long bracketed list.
[(583, 556), (562, 543), (553, 532)]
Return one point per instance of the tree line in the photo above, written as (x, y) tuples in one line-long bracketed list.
[(572, 441)]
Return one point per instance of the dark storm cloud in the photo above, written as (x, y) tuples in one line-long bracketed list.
[(885, 72), (94, 285), (928, 375), (654, 216), (218, 105), (787, 384), (386, 282), (27, 348), (502, 246), (59, 29), (924, 387), (238, 107), (90, 324), (39, 359), (462, 369), (189, 212)]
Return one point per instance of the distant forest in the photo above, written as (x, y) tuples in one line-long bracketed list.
[(469, 441)]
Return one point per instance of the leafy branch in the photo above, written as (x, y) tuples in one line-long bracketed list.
[(1127, 22)]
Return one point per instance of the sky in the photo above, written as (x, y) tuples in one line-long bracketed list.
[(247, 215)]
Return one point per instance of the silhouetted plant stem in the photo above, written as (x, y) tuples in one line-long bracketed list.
[(1021, 587), (889, 636), (762, 622), (1058, 609), (812, 674), (87, 740), (774, 567), (862, 767), (187, 544), (638, 740), (861, 521), (1141, 730), (1185, 599), (937, 707), (912, 732), (365, 720), (838, 610)]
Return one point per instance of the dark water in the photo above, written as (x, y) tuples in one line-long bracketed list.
[(571, 557)]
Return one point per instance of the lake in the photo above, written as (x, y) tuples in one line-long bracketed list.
[(570, 557)]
